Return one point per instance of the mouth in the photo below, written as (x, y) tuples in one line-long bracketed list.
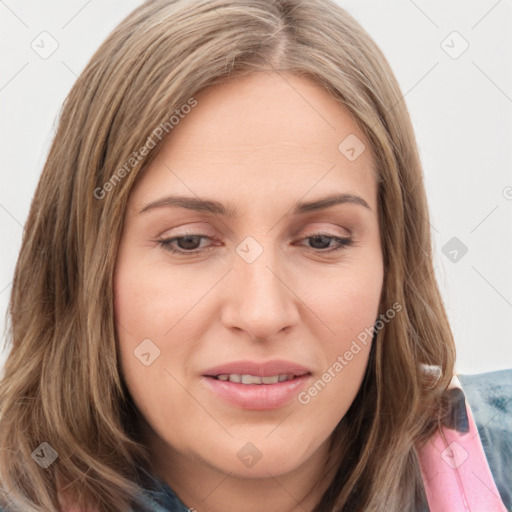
[(257, 386), (255, 379)]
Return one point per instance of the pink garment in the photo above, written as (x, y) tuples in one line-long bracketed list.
[(455, 471)]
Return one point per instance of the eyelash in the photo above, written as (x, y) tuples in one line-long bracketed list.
[(342, 243)]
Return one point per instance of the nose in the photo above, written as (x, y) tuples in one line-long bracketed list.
[(260, 299)]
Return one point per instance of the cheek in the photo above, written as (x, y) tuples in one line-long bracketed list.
[(145, 309), (155, 312), (148, 302), (138, 318), (348, 302), (348, 305)]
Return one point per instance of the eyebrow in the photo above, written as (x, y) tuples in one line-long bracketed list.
[(215, 207)]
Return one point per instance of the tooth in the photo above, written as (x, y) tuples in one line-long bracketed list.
[(251, 379), (254, 379)]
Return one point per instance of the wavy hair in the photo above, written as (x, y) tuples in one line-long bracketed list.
[(62, 383)]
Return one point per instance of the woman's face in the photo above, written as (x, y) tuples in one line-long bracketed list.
[(241, 348)]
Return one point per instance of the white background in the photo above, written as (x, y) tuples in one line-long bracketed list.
[(460, 107)]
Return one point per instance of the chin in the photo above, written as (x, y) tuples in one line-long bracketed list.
[(261, 457), (275, 465)]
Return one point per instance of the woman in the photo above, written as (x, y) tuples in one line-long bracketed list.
[(225, 296)]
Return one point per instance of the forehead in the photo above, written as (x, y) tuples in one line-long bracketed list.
[(263, 133)]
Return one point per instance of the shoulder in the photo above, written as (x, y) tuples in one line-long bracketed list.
[(490, 398)]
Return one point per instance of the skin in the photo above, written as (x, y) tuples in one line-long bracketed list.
[(258, 143)]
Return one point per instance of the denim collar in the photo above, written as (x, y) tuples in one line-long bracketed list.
[(158, 496)]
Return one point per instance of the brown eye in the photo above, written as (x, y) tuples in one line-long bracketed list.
[(190, 244), (185, 244), (321, 242)]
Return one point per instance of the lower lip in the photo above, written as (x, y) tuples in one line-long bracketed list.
[(257, 396)]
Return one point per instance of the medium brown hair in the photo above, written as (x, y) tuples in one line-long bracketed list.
[(62, 383)]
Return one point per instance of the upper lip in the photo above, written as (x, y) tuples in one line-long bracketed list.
[(259, 369)]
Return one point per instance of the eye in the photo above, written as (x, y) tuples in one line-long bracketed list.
[(191, 243), (321, 242), (187, 244)]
